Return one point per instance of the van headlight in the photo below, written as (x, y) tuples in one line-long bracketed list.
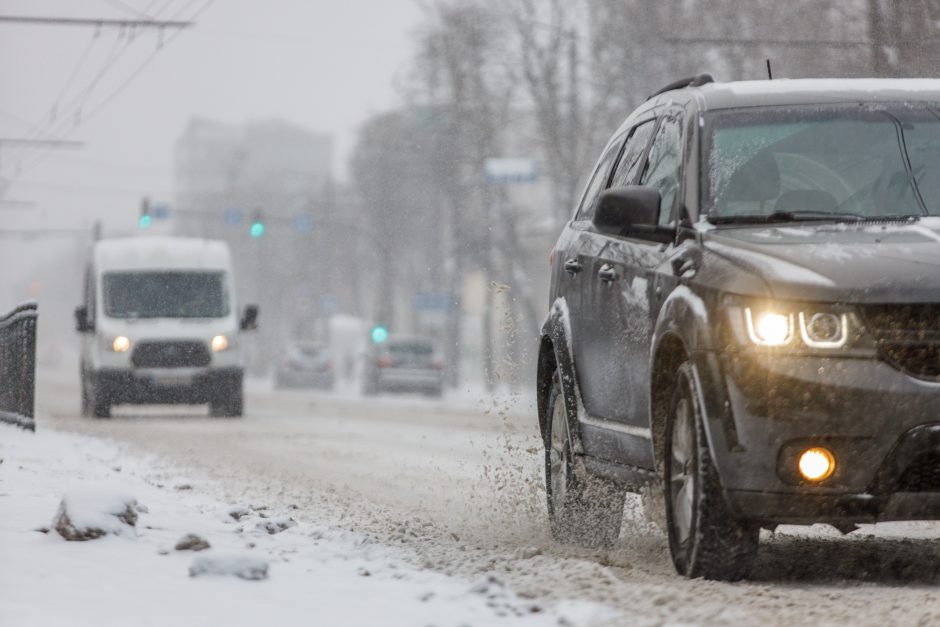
[(121, 344), (219, 343), (793, 325)]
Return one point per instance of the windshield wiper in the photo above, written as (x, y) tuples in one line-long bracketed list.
[(788, 216), (810, 216)]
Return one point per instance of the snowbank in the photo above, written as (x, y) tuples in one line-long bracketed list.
[(90, 513), (248, 577)]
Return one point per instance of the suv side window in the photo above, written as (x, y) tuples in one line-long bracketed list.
[(598, 180), (663, 164), (632, 159)]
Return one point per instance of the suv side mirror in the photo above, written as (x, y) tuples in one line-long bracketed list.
[(82, 324), (249, 320), (622, 209)]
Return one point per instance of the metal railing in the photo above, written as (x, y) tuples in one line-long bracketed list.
[(18, 366)]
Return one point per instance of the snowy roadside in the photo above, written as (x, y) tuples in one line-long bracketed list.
[(316, 574)]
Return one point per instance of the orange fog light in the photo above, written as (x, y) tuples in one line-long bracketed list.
[(816, 464)]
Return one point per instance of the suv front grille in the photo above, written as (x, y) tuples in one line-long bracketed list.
[(923, 475), (908, 337), (170, 355)]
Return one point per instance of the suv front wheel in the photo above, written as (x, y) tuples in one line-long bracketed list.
[(705, 538), (582, 509)]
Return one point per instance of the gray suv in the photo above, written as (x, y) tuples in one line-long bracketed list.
[(745, 311)]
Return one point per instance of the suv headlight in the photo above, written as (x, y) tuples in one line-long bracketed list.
[(793, 325), (768, 328)]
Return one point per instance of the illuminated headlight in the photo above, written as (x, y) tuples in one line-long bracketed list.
[(824, 329), (816, 464), (219, 343), (768, 328), (121, 344), (796, 325)]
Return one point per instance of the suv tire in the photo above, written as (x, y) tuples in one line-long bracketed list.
[(706, 539), (582, 509)]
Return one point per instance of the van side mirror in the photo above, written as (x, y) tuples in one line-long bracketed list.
[(82, 324), (249, 320), (623, 209)]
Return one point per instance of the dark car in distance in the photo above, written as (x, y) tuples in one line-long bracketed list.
[(745, 311), (305, 364), (403, 364)]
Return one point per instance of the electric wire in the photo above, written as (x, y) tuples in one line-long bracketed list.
[(93, 112)]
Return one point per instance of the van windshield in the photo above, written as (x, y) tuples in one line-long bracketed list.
[(858, 161), (165, 295)]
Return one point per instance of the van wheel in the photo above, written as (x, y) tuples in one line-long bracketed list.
[(101, 405), (706, 539), (87, 408), (582, 509), (95, 402), (228, 406)]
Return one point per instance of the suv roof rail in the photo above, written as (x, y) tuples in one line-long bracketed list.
[(692, 81)]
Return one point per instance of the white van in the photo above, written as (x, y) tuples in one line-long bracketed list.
[(160, 325)]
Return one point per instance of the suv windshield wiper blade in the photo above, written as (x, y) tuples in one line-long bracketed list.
[(787, 216)]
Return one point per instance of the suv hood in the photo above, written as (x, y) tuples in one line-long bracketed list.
[(838, 262)]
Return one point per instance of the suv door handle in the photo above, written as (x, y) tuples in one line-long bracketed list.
[(573, 266), (608, 274)]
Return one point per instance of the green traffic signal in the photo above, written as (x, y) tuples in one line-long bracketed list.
[(379, 334), (144, 221), (257, 229)]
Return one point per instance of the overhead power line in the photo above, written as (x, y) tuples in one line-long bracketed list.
[(40, 143), (93, 21), (78, 105)]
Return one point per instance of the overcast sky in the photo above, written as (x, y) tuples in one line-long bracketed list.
[(324, 64)]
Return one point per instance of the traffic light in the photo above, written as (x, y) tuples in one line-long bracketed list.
[(257, 226), (379, 334), (145, 218)]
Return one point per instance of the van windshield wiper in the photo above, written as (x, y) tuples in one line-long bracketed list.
[(788, 216)]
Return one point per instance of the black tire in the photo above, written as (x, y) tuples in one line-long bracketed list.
[(100, 404), (706, 538), (230, 405), (228, 399), (87, 406), (582, 509)]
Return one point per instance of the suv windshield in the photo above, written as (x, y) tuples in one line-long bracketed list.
[(821, 162), (164, 295)]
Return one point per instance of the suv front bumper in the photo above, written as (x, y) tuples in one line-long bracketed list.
[(763, 410)]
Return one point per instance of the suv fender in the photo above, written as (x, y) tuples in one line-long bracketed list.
[(684, 332), (555, 353)]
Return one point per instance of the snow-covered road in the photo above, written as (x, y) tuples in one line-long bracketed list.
[(456, 485)]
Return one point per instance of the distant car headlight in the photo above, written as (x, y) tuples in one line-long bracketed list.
[(219, 343), (121, 344), (768, 328)]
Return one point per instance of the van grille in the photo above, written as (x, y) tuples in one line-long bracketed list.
[(170, 355), (908, 337)]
